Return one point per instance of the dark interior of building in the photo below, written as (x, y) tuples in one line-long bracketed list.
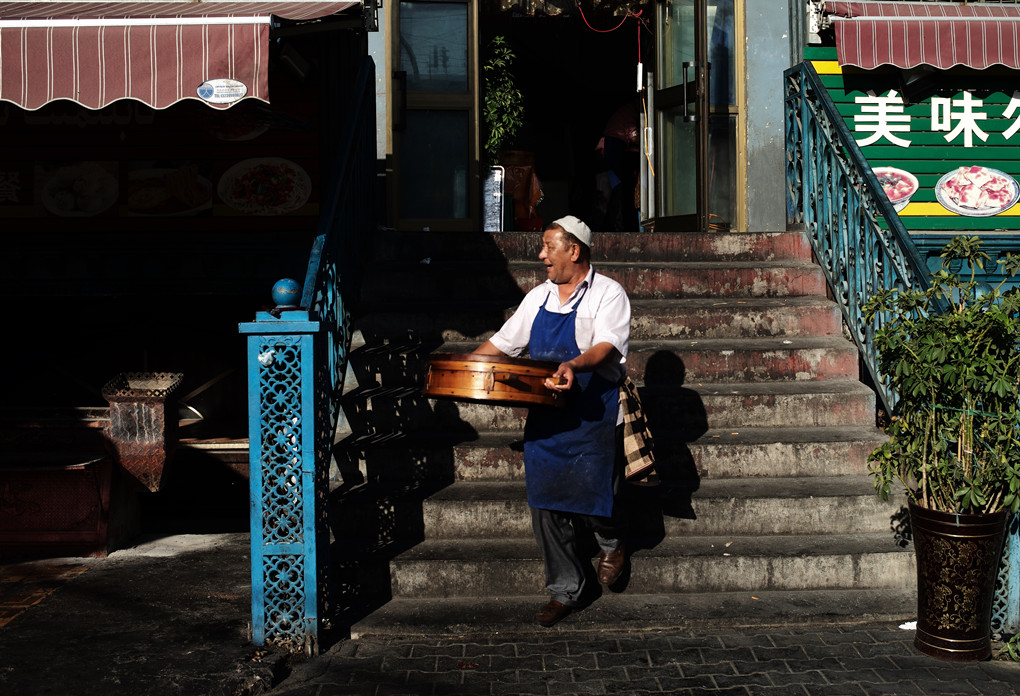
[(575, 71)]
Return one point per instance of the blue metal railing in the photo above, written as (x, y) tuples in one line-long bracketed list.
[(297, 357), (833, 192)]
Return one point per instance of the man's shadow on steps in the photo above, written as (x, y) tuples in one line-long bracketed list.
[(675, 416)]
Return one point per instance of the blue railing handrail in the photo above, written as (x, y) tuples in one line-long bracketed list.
[(860, 257), (348, 202), (856, 157), (832, 189), (351, 136)]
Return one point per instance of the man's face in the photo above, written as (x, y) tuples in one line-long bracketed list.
[(558, 256)]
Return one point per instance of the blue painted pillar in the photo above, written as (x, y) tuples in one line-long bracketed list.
[(1006, 607), (288, 464)]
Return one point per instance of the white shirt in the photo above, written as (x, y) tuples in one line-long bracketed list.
[(603, 315)]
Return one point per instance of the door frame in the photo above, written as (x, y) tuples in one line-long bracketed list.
[(690, 96)]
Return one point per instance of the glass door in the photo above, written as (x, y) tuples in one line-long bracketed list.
[(693, 117), (432, 178)]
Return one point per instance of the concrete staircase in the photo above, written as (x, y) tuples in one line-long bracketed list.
[(765, 513)]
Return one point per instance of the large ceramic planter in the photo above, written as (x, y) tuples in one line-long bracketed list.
[(957, 565)]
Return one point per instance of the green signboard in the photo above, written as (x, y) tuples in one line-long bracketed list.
[(944, 144)]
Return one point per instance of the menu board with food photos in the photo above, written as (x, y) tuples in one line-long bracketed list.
[(130, 167), (944, 145)]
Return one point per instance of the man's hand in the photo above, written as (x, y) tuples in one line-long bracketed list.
[(588, 361), (562, 379)]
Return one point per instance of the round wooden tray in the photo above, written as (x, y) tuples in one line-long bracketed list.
[(490, 379)]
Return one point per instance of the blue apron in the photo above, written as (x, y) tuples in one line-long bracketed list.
[(570, 452)]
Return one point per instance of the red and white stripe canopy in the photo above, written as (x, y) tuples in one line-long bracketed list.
[(871, 33), (159, 53)]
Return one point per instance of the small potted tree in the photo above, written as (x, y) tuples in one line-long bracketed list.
[(503, 119), (503, 107), (952, 355)]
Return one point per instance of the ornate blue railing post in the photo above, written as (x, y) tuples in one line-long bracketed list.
[(288, 470), (1006, 607), (297, 360)]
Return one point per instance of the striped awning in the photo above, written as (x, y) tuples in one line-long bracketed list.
[(94, 53), (871, 33)]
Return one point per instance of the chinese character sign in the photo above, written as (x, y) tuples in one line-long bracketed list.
[(944, 129), (881, 118)]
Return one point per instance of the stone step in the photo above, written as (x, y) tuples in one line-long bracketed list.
[(488, 616), (710, 279), (437, 247), (721, 454), (695, 362), (824, 403), (746, 506), (765, 512), (834, 402), (513, 567), (651, 319), (809, 451), (679, 362), (670, 246), (496, 283), (734, 318)]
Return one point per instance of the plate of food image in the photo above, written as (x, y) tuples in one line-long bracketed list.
[(265, 186), (977, 191), (83, 189), (899, 185), (168, 191)]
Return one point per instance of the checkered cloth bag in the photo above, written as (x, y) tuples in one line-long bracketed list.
[(637, 439)]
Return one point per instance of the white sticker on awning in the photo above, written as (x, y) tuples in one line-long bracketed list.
[(222, 90)]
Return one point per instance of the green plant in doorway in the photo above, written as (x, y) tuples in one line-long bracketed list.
[(952, 355), (503, 107)]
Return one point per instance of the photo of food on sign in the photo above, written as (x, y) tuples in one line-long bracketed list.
[(168, 190), (79, 189), (899, 185), (265, 186), (977, 191)]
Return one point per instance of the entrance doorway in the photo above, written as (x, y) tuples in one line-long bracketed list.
[(579, 76), (694, 116)]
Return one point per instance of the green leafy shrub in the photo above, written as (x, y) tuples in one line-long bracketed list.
[(503, 107), (952, 354), (1010, 649)]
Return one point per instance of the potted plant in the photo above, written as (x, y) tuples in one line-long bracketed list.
[(952, 355), (503, 118), (503, 107)]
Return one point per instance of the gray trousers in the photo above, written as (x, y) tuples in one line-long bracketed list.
[(567, 574)]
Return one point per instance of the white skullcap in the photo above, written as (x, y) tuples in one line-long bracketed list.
[(574, 226)]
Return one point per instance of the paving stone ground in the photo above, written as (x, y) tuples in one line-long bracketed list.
[(170, 617), (832, 661)]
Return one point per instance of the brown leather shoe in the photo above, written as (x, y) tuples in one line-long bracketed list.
[(552, 612), (611, 565)]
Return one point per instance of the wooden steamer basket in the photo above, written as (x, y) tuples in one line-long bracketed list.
[(490, 379)]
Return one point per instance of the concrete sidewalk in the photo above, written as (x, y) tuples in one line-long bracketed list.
[(171, 615), (167, 616)]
